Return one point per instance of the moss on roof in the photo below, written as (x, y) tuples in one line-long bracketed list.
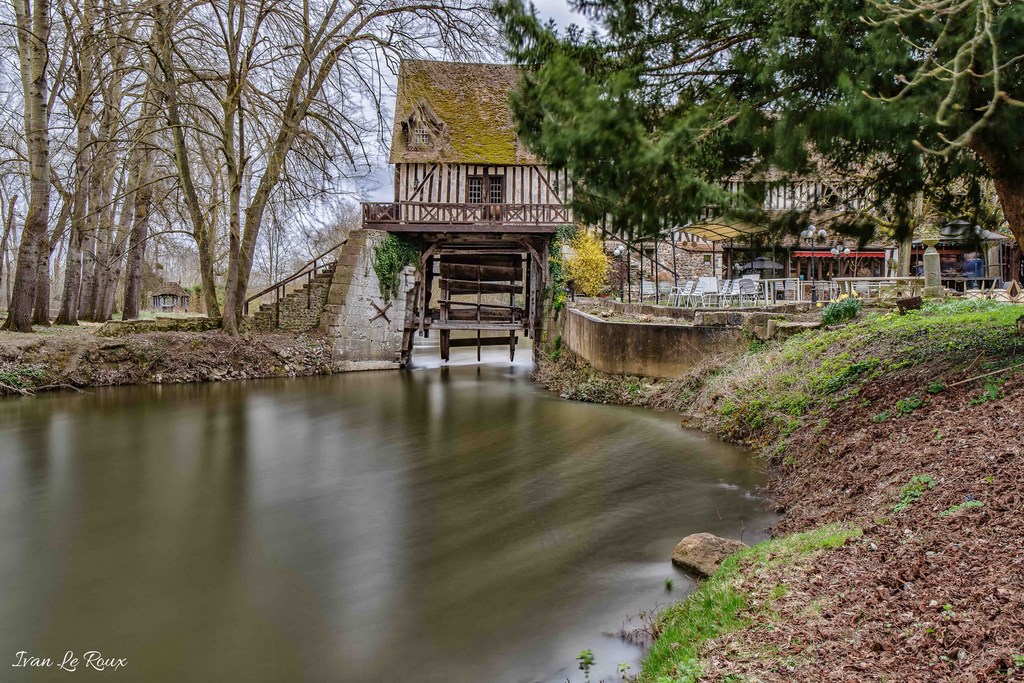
[(472, 103), (170, 289)]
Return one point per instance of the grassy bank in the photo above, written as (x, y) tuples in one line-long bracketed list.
[(907, 427), (745, 589)]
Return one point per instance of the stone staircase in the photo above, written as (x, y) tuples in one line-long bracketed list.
[(300, 309)]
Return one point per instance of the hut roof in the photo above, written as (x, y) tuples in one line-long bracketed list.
[(170, 289), (466, 109)]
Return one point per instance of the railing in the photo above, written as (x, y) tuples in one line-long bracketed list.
[(383, 214), (309, 270), (872, 286)]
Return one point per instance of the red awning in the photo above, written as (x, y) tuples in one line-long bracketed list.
[(825, 253)]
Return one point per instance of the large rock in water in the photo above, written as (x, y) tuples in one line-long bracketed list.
[(703, 553)]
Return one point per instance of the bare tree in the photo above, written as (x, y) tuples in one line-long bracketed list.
[(290, 88), (33, 31)]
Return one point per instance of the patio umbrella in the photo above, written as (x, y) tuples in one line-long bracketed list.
[(761, 263)]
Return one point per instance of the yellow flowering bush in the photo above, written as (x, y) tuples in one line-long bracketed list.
[(588, 267)]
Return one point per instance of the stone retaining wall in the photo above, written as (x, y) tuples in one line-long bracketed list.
[(646, 349), (361, 337), (686, 313), (121, 328)]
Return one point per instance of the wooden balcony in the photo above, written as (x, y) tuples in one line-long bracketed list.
[(436, 217)]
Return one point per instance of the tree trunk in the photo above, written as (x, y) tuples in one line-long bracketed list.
[(8, 228), (152, 100), (41, 310), (84, 115), (1011, 197), (1008, 180), (112, 274), (101, 208), (137, 251), (162, 24), (33, 38)]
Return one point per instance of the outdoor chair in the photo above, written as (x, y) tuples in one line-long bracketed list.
[(680, 296), (729, 293), (747, 290), (705, 291), (790, 291)]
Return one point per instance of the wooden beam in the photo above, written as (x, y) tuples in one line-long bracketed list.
[(463, 271), (456, 286), (506, 307), (492, 259), (482, 341), (487, 315), (473, 325)]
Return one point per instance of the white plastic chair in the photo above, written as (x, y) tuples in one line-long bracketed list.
[(704, 286), (710, 291), (790, 291), (728, 293), (679, 296), (747, 290)]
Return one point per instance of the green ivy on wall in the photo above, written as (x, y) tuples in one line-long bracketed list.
[(564, 234), (393, 254)]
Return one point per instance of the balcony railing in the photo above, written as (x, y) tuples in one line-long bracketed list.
[(424, 216)]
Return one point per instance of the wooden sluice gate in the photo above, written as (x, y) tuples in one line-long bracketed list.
[(477, 292)]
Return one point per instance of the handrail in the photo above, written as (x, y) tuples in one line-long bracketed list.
[(308, 269), (847, 285)]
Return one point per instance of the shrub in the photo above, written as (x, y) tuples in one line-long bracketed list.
[(588, 268), (841, 311)]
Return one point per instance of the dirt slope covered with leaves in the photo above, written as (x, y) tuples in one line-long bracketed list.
[(908, 433)]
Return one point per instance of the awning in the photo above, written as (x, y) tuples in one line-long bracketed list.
[(825, 253), (721, 229)]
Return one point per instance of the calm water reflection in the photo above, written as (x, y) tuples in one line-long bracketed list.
[(440, 524)]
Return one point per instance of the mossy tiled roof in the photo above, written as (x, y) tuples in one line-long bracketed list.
[(170, 289), (471, 101)]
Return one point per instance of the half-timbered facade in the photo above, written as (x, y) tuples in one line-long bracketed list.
[(458, 162), (482, 205)]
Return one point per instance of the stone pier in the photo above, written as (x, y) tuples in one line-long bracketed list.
[(367, 332)]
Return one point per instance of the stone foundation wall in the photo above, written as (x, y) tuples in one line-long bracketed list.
[(646, 349), (361, 337), (121, 328)]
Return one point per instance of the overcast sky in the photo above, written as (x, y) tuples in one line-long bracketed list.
[(557, 10), (378, 186)]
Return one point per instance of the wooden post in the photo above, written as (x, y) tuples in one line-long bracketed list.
[(641, 271), (675, 266), (629, 276)]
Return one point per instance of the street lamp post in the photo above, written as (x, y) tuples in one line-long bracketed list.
[(813, 234), (984, 235), (838, 252)]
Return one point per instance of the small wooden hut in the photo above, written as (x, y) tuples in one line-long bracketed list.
[(170, 297)]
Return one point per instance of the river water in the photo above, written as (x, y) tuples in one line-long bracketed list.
[(438, 524)]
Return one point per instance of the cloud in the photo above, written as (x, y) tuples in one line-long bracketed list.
[(558, 10)]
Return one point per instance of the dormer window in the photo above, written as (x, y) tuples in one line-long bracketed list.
[(423, 130), (420, 134)]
